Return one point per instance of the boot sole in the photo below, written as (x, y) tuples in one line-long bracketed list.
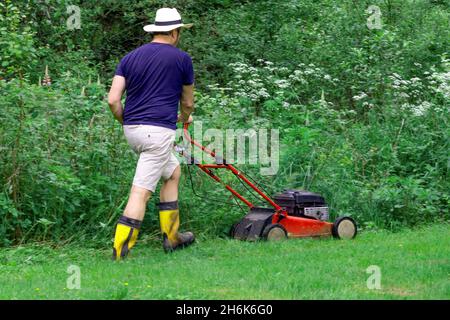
[(168, 248)]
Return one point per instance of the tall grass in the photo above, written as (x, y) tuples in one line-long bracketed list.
[(363, 114)]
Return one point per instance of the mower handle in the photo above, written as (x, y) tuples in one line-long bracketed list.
[(237, 173), (195, 143)]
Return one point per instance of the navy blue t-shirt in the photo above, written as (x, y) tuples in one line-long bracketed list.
[(154, 74)]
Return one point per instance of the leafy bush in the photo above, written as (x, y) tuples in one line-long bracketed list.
[(17, 43), (363, 114), (51, 179)]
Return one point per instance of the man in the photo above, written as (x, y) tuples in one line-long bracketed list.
[(157, 77)]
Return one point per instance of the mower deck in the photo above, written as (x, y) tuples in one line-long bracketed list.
[(257, 223), (253, 224)]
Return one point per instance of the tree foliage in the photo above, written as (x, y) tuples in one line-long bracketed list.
[(363, 113)]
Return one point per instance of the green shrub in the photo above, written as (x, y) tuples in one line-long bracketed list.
[(363, 114)]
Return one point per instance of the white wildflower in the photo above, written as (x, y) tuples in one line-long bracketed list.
[(421, 109), (361, 96), (282, 84), (263, 93)]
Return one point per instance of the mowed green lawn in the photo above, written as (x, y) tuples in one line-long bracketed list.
[(413, 265)]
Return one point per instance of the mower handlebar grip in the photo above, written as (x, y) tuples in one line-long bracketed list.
[(186, 132)]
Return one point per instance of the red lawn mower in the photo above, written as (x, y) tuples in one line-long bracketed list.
[(293, 213)]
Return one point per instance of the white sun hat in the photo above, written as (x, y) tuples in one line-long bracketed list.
[(166, 19)]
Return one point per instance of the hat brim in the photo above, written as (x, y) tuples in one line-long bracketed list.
[(153, 28)]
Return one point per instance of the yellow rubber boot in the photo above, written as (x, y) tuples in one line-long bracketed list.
[(169, 219), (127, 231)]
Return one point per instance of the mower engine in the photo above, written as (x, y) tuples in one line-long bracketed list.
[(301, 203)]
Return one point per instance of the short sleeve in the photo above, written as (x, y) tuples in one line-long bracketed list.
[(188, 71), (120, 69)]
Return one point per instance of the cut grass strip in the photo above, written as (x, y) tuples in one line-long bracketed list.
[(414, 265)]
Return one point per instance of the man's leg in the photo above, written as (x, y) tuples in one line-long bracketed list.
[(169, 215), (137, 202), (128, 226), (169, 189)]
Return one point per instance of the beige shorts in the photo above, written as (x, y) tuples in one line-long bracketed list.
[(154, 146)]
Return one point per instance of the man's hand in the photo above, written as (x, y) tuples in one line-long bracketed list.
[(181, 119), (115, 97)]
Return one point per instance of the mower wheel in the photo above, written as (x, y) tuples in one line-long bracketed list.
[(233, 230), (344, 228), (274, 232)]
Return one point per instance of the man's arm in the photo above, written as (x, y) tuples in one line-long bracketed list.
[(115, 97), (186, 104)]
